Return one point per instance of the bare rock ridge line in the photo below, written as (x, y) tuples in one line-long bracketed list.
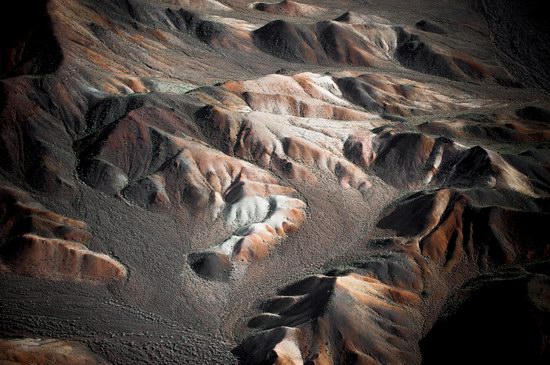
[(369, 42), (47, 351), (44, 142), (289, 8), (350, 39), (40, 243), (257, 128), (317, 318), (314, 319), (274, 182), (499, 127)]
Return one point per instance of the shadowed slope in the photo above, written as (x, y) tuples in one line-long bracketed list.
[(384, 165), (372, 41), (518, 127), (31, 47), (488, 227), (486, 310), (363, 315), (520, 33), (372, 312)]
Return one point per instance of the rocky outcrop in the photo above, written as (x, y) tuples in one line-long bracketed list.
[(46, 352), (374, 310), (40, 243)]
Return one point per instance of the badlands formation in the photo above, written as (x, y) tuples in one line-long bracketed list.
[(237, 182)]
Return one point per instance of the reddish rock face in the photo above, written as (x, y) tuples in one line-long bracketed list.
[(290, 8), (46, 352), (312, 182), (43, 244)]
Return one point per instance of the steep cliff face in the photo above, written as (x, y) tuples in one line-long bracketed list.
[(313, 182)]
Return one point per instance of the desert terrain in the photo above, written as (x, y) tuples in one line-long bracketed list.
[(285, 182)]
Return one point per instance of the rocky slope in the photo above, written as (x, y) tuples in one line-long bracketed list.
[(273, 183), (38, 351)]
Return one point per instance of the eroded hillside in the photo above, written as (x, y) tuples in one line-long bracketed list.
[(296, 182)]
